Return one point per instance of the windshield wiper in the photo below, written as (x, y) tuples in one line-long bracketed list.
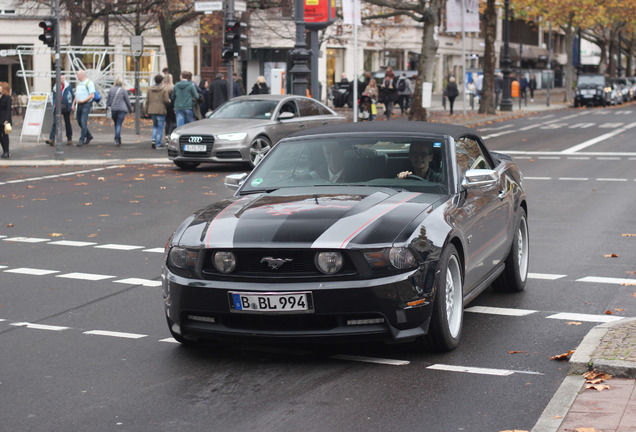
[(253, 191)]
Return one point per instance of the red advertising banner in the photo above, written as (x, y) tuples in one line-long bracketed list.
[(317, 11)]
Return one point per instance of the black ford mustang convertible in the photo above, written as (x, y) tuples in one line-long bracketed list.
[(381, 230)]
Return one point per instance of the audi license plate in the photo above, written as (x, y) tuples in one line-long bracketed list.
[(195, 147), (271, 302)]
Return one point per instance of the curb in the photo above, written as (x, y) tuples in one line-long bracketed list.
[(559, 405)]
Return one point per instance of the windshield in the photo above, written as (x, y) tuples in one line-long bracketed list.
[(597, 80), (246, 109), (404, 163)]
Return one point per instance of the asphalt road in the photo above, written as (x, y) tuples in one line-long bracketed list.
[(84, 344)]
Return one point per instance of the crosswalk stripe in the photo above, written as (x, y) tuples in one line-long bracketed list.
[(39, 326), (137, 281), (31, 271), (478, 370), (26, 239), (71, 243), (375, 360), (607, 280), (118, 247), (500, 311), (584, 317), (545, 276), (85, 276)]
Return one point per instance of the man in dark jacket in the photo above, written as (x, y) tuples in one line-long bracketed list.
[(67, 103), (389, 91), (217, 93)]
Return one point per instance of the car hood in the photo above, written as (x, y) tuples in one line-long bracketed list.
[(291, 218), (219, 126)]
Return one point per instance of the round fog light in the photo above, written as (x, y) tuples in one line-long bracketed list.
[(329, 262), (225, 262)]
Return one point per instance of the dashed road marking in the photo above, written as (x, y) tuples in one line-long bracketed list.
[(72, 243), (39, 326), (584, 317), (479, 371), (118, 247), (545, 276), (607, 280), (26, 239), (363, 359), (154, 250), (58, 175), (85, 276), (115, 334), (31, 271), (138, 281), (597, 140), (573, 178), (500, 311)]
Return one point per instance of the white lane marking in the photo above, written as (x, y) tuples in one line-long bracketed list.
[(578, 158), (585, 317), (3, 267), (39, 326), (2, 319), (137, 281), (596, 140), (59, 175), (607, 280), (85, 276), (500, 311), (169, 340), (532, 126), (574, 178), (26, 239), (612, 179), (363, 359), (72, 243), (119, 247), (545, 276), (154, 250), (115, 334), (549, 157), (608, 158), (496, 128), (611, 125), (31, 271), (2, 236), (537, 178), (495, 135), (479, 371), (581, 125)]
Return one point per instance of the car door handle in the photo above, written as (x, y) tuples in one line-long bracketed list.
[(503, 194)]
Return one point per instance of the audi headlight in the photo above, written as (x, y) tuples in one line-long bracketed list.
[(399, 258), (238, 136), (329, 262), (183, 258), (174, 136), (225, 262)]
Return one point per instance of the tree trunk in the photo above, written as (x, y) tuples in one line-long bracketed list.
[(77, 38), (569, 66), (611, 67), (426, 66), (487, 105), (170, 46), (630, 51)]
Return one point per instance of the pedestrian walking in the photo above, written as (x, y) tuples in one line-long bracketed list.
[(404, 93), (184, 96), (532, 85), (388, 92), (217, 94), (67, 105), (84, 94), (171, 118), (451, 92), (203, 92), (119, 104), (5, 118), (260, 86), (239, 88), (156, 105), (371, 91), (524, 88), (498, 88)]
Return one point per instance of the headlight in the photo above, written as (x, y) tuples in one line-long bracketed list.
[(396, 257), (174, 136), (183, 258), (225, 262), (239, 136), (329, 262)]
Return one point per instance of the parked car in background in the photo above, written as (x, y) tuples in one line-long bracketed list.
[(625, 88), (245, 128), (595, 90), (333, 236)]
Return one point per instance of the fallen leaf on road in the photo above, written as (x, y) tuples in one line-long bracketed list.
[(628, 235), (139, 178), (585, 430), (103, 215), (574, 323), (609, 312), (619, 309), (55, 234), (599, 387), (611, 256), (518, 352), (88, 204), (30, 187), (101, 179), (92, 235), (9, 225), (628, 284), (562, 356)]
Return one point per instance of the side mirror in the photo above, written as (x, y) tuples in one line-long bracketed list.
[(234, 181), (480, 177), (285, 116)]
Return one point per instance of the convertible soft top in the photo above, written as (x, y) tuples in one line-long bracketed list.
[(381, 127)]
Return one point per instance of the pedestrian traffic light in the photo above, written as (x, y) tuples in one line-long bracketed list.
[(48, 33), (234, 35), (226, 53)]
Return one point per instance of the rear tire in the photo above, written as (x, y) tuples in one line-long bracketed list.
[(514, 276), (186, 165), (445, 329)]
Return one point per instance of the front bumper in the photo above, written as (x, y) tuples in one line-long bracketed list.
[(201, 309), (218, 152)]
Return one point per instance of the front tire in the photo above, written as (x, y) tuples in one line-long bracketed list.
[(445, 329), (514, 276), (258, 149)]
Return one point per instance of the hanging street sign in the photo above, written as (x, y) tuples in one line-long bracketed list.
[(207, 6)]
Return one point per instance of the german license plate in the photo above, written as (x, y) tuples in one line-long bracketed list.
[(271, 302), (195, 147)]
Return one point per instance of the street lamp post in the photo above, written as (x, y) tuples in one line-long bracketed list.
[(506, 98), (300, 55)]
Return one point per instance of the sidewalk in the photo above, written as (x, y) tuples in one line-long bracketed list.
[(607, 348), (136, 149)]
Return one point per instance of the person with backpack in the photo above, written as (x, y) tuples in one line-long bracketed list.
[(404, 93), (67, 103), (84, 95)]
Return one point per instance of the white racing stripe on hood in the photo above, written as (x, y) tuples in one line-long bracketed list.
[(222, 227), (340, 234)]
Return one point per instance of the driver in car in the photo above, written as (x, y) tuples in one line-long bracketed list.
[(421, 155)]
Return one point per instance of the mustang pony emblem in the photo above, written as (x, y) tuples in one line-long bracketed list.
[(275, 263)]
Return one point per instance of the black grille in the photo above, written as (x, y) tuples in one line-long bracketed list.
[(299, 263), (281, 322), (207, 140)]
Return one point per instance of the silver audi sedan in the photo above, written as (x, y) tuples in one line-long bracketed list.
[(245, 128)]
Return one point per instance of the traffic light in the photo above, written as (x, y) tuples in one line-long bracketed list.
[(48, 33), (234, 35), (226, 53)]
